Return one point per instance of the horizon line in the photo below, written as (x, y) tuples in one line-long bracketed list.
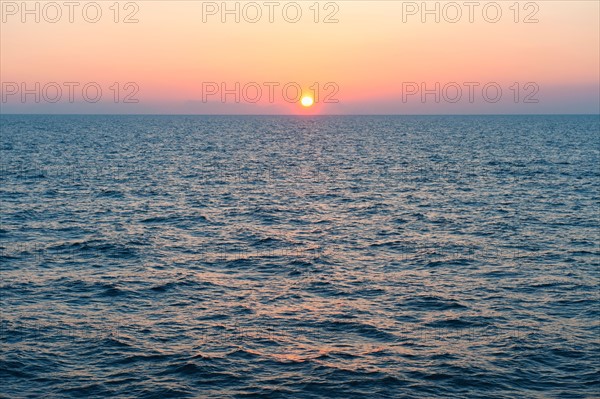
[(302, 115)]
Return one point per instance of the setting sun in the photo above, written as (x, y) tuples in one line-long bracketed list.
[(306, 101)]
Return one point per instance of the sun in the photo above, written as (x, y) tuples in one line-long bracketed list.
[(307, 101)]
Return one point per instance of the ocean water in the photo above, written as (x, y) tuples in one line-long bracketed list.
[(300, 257)]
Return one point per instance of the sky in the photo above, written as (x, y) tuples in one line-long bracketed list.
[(350, 57)]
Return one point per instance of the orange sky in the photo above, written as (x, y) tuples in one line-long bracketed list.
[(368, 55)]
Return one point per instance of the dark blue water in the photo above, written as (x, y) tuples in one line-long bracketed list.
[(304, 257)]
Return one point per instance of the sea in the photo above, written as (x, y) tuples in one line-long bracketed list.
[(147, 256)]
